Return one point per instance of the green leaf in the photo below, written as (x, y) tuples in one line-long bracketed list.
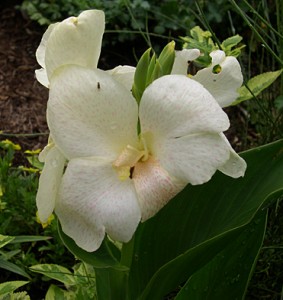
[(107, 256), (29, 239), (256, 85), (55, 293), (229, 272), (278, 102), (200, 221), (111, 284), (12, 268), (10, 286), (231, 42), (5, 239), (56, 272)]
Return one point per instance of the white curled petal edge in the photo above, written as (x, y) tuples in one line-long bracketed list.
[(49, 182), (93, 201), (75, 41), (182, 60), (223, 86), (235, 166), (193, 158), (124, 75)]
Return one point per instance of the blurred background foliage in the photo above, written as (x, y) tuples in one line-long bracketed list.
[(132, 27)]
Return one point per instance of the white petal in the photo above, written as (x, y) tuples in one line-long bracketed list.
[(91, 114), (175, 105), (193, 158), (41, 77), (49, 183), (40, 51), (154, 187), (94, 201), (182, 58), (217, 57), (224, 85), (123, 74), (75, 41), (43, 154), (235, 166)]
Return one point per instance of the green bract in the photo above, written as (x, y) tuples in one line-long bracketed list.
[(150, 68)]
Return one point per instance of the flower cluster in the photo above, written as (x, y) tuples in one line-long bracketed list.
[(111, 163)]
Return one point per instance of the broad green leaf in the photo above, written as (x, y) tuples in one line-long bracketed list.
[(256, 85), (111, 284), (200, 221), (5, 239), (4, 264), (10, 286), (229, 272), (105, 257), (56, 272)]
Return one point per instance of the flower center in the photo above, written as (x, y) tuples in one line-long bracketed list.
[(126, 161)]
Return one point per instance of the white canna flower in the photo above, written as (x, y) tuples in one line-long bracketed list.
[(116, 177), (74, 41), (222, 78)]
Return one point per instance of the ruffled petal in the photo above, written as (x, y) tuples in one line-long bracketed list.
[(154, 187), (40, 51), (41, 77), (224, 82), (75, 41), (124, 75), (235, 166), (93, 201), (182, 60), (90, 114), (49, 182), (193, 158), (175, 105)]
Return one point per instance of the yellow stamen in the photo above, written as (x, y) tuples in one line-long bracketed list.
[(128, 159)]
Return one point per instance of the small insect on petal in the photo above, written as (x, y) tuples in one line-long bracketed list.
[(98, 85)]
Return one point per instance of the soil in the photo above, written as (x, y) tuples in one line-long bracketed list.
[(22, 99)]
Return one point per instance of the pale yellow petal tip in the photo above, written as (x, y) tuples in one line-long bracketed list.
[(47, 223)]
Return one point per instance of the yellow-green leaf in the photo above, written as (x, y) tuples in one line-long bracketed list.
[(256, 85)]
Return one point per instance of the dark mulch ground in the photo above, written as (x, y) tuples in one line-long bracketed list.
[(22, 98)]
